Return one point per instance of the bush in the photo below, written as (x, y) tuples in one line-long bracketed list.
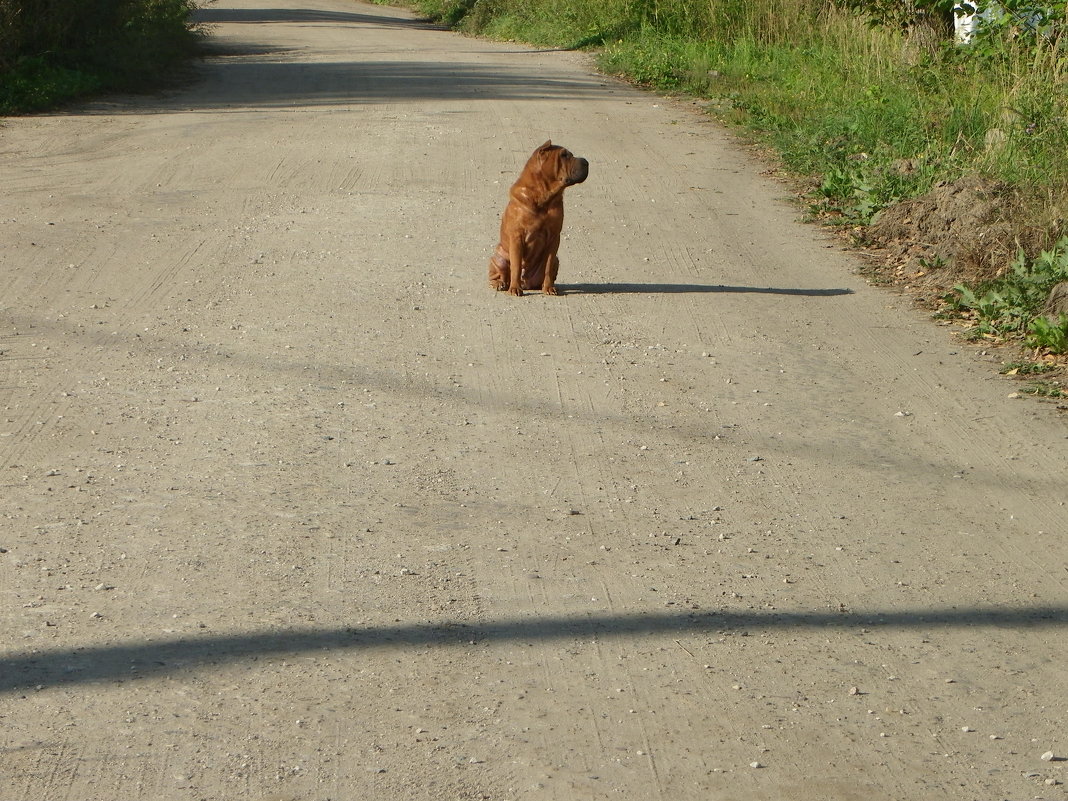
[(51, 50)]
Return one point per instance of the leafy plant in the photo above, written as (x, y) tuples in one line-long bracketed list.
[(998, 312), (1050, 334), (904, 13), (1016, 19), (851, 192), (1010, 306), (934, 262)]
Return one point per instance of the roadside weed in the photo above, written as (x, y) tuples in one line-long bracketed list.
[(1012, 304), (1051, 335), (1045, 389), (1029, 368)]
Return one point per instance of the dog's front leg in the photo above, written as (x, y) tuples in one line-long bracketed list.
[(515, 271), (552, 267)]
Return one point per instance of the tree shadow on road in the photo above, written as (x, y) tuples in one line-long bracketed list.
[(672, 289), (249, 76), (259, 16), (243, 74), (143, 659)]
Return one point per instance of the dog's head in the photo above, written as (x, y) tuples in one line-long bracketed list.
[(561, 164), (558, 165)]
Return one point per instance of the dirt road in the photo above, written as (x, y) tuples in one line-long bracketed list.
[(293, 507)]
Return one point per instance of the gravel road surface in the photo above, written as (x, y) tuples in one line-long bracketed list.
[(294, 508)]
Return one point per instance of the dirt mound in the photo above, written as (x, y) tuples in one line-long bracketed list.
[(963, 228)]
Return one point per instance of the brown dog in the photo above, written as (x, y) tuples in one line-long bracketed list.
[(530, 228)]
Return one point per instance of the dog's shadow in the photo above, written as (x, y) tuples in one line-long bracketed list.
[(678, 289)]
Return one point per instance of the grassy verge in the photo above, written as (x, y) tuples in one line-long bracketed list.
[(53, 51), (865, 115)]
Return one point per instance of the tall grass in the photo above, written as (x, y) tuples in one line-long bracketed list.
[(875, 114), (52, 50)]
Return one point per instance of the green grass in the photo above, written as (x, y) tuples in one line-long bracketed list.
[(855, 126), (35, 84), (53, 51), (870, 125), (839, 98)]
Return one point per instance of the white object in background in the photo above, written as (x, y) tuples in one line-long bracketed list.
[(964, 25)]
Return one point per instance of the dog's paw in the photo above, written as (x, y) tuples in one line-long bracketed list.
[(549, 290)]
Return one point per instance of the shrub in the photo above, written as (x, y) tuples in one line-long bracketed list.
[(51, 50)]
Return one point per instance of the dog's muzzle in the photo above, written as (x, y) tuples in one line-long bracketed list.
[(579, 173)]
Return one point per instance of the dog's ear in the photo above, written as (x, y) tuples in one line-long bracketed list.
[(542, 151)]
